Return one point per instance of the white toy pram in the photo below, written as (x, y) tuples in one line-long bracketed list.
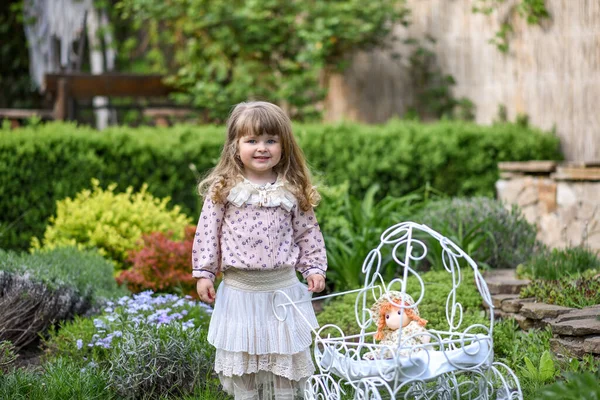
[(457, 363)]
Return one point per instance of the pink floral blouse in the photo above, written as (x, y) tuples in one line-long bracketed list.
[(258, 228)]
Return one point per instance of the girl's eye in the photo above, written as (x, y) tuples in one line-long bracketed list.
[(271, 141), (252, 141)]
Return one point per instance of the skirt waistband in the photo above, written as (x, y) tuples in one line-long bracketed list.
[(260, 280)]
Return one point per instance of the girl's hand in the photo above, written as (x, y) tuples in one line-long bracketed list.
[(206, 290), (316, 283)]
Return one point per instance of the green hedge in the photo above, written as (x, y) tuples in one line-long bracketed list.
[(45, 163)]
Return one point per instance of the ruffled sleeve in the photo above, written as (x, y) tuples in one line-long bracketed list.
[(206, 251), (308, 237)]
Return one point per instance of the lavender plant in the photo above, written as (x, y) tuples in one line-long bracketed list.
[(39, 289), (147, 345), (498, 237)]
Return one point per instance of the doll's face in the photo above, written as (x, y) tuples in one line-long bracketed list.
[(392, 319)]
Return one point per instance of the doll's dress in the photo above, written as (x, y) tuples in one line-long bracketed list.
[(392, 339)]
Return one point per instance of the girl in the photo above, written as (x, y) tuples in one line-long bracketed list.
[(258, 227)]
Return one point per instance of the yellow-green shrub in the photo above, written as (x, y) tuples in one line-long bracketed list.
[(111, 222)]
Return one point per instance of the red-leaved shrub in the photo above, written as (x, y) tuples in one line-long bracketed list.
[(161, 265)]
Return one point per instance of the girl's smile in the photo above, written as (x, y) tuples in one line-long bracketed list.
[(259, 154)]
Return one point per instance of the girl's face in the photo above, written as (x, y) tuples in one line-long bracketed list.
[(259, 154), (392, 319)]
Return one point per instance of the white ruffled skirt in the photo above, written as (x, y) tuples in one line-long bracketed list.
[(262, 340)]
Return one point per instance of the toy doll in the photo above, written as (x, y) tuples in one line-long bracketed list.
[(396, 322)]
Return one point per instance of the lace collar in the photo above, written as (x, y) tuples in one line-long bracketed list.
[(268, 195)]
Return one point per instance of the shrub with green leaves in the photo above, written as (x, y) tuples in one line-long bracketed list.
[(111, 222), (580, 386), (438, 284), (353, 226), (556, 263), (455, 158), (489, 233), (39, 289), (224, 55)]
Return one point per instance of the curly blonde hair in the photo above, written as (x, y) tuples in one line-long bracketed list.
[(260, 118), (386, 308)]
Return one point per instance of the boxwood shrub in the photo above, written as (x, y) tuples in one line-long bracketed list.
[(42, 164)]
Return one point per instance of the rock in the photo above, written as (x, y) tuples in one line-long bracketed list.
[(550, 230), (587, 210), (570, 346), (592, 345), (498, 299), (542, 310), (565, 194), (499, 314), (508, 191), (578, 327), (547, 196), (531, 213), (533, 166), (590, 191), (577, 173), (524, 323), (528, 196), (584, 313), (515, 305), (504, 281)]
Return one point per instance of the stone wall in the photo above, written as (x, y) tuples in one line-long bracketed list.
[(551, 72), (563, 201), (575, 332)]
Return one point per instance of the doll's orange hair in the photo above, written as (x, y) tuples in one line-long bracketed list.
[(387, 307)]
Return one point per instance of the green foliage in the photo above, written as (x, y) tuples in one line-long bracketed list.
[(85, 271), (512, 345), (438, 284), (227, 52), (541, 374), (456, 158), (526, 352), (433, 88), (581, 386), (489, 233), (568, 291), (58, 380), (40, 289), (556, 263), (165, 361), (147, 346), (7, 355), (533, 11), (352, 228), (112, 223)]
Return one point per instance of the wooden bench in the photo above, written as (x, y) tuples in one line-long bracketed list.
[(16, 115), (64, 87)]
